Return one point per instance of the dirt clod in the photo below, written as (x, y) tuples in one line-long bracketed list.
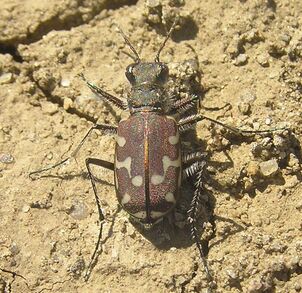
[(269, 168), (6, 158)]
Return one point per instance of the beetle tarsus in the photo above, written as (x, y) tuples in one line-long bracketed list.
[(109, 166), (93, 258)]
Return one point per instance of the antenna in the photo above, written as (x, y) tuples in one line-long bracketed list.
[(166, 39), (127, 41)]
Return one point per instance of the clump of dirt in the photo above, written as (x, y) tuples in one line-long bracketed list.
[(242, 59)]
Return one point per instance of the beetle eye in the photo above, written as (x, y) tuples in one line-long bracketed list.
[(163, 74), (129, 74)]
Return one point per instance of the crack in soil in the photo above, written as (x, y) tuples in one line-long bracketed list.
[(55, 23)]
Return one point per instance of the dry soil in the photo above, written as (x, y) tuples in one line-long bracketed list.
[(244, 55)]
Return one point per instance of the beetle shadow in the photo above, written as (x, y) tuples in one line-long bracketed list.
[(174, 229), (234, 229)]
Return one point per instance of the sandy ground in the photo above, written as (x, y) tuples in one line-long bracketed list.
[(245, 53)]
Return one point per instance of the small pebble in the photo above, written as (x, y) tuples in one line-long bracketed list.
[(67, 104), (131, 231), (256, 125), (263, 60), (241, 60), (269, 168), (276, 48), (252, 168), (298, 287), (78, 267), (49, 156), (248, 97), (299, 206), (152, 3), (244, 108), (115, 254), (248, 185), (78, 210), (14, 248), (232, 274), (25, 208), (285, 38), (255, 286), (65, 82), (49, 108), (268, 121), (279, 141), (6, 78), (6, 158)]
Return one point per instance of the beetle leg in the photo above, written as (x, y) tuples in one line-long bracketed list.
[(190, 121), (193, 169), (196, 160), (194, 156), (104, 127), (104, 95), (109, 166), (197, 169), (216, 108), (184, 104)]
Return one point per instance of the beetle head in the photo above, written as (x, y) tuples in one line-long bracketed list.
[(151, 73), (147, 80)]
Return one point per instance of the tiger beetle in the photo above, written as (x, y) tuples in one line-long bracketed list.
[(150, 163)]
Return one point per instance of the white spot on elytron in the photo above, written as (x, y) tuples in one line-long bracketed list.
[(170, 197), (174, 139), (126, 198), (158, 179), (137, 180), (155, 214), (121, 141), (126, 164), (140, 215)]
